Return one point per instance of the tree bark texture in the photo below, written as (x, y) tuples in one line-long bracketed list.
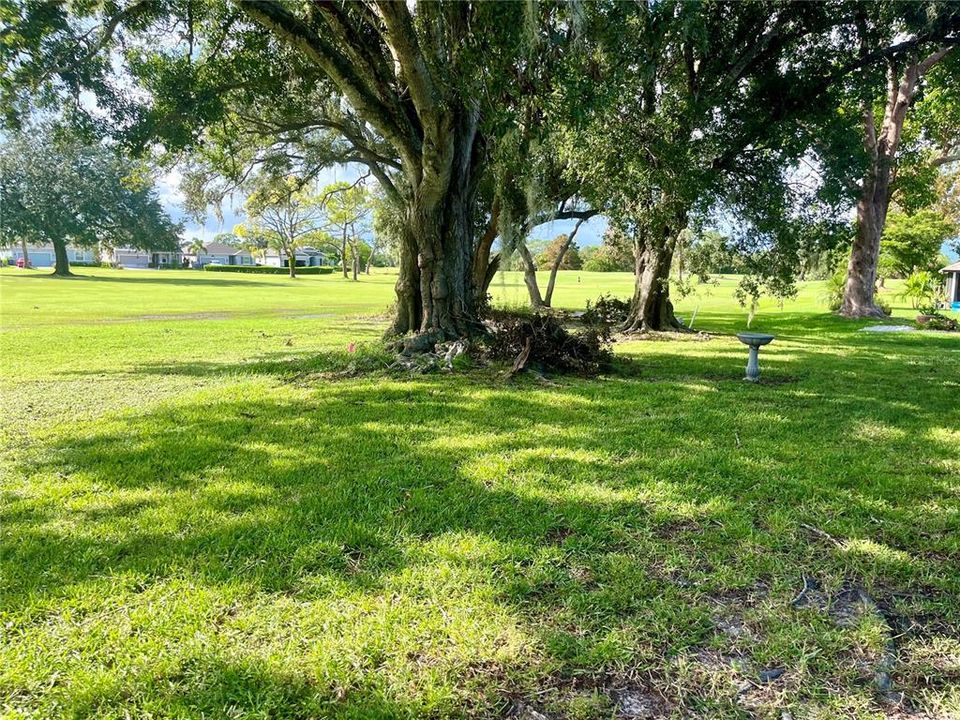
[(436, 293), (650, 308), (877, 187)]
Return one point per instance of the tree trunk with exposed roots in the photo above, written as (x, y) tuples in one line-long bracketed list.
[(651, 308), (653, 250)]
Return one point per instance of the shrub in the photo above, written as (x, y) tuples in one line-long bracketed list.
[(607, 310), (269, 269), (938, 321), (834, 290)]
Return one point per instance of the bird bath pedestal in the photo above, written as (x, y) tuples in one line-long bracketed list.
[(754, 341)]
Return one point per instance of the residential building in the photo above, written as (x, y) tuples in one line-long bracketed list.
[(134, 258), (44, 256), (952, 274), (303, 257), (215, 253)]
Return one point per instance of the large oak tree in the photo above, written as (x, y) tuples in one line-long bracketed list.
[(56, 188), (251, 85)]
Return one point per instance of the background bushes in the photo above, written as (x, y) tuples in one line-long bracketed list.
[(269, 270)]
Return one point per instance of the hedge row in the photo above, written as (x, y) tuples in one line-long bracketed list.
[(269, 269)]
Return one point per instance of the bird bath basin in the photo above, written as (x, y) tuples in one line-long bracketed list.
[(754, 341)]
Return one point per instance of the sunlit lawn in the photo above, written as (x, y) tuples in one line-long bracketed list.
[(197, 521)]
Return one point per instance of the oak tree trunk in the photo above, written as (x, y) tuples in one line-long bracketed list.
[(62, 264), (653, 251), (23, 250), (292, 264), (436, 294), (651, 308), (860, 288)]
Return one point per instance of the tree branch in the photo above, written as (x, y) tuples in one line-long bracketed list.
[(106, 35), (296, 33)]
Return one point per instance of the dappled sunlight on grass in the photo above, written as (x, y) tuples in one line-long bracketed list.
[(194, 519)]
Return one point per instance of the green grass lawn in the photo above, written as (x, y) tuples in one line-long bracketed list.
[(197, 522)]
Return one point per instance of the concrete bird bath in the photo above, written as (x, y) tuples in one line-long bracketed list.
[(754, 341)]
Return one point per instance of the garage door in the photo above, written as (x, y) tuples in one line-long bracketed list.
[(41, 259), (131, 260)]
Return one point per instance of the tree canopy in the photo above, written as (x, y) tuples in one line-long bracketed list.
[(56, 188), (484, 118), (912, 242)]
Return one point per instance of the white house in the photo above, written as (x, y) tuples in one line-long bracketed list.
[(134, 258), (303, 257), (43, 255), (215, 253)]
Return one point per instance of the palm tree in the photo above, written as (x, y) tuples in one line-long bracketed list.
[(196, 246)]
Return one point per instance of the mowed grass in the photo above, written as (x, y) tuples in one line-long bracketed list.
[(198, 522)]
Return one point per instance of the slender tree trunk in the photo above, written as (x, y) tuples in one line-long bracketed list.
[(343, 253), (356, 264), (62, 266), (292, 263), (373, 252), (530, 275), (484, 268), (557, 262), (23, 250), (878, 183)]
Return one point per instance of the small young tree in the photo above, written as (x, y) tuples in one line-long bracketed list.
[(284, 213), (912, 242), (348, 215), (196, 246)]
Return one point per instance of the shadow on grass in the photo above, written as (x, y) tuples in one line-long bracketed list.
[(616, 503)]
